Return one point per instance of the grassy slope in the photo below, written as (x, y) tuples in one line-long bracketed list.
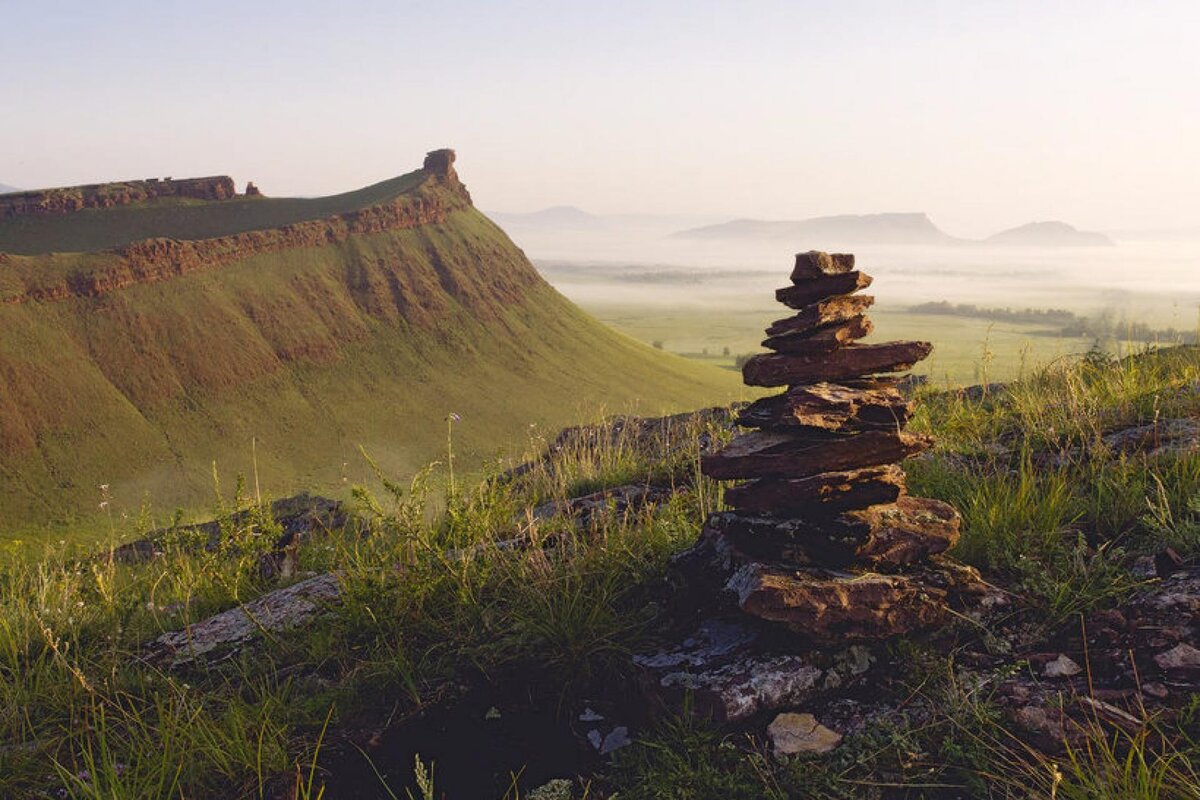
[(311, 353), (562, 620)]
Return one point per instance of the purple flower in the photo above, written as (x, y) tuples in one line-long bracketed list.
[(454, 417)]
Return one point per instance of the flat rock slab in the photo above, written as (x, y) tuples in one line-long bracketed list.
[(777, 369), (831, 406), (825, 312), (880, 537), (273, 612), (815, 264), (821, 494), (821, 340), (827, 606), (813, 290), (774, 454), (792, 734), (729, 673)]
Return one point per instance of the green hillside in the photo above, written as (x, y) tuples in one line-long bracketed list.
[(139, 367)]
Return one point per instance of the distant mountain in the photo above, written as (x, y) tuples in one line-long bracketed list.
[(1050, 234), (893, 228), (558, 217), (5, 188)]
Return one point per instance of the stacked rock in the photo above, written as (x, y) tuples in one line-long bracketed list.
[(822, 537)]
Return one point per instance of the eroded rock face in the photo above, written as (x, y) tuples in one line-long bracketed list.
[(107, 195)]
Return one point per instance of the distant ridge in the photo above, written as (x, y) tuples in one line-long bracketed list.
[(888, 228), (6, 189), (1050, 234)]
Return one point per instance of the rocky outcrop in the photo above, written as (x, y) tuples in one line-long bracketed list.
[(107, 195), (153, 260)]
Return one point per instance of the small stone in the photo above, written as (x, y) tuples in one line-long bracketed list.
[(1156, 690), (801, 733), (1144, 567), (1061, 667), (589, 715), (1167, 562), (1041, 720), (617, 738), (555, 789), (1180, 657), (595, 738)]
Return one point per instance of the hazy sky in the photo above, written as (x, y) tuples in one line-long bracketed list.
[(984, 114)]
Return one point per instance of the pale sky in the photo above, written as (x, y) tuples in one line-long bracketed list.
[(983, 114)]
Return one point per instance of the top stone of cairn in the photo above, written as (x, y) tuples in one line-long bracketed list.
[(815, 264)]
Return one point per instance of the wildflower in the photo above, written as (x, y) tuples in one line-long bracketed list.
[(454, 417), (103, 504)]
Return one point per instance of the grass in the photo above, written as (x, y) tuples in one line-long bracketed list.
[(966, 351), (432, 601)]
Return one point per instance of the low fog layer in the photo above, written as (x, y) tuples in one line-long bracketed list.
[(1150, 281)]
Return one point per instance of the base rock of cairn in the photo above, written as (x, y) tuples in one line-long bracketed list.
[(822, 552)]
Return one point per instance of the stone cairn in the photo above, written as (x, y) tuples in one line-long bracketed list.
[(829, 540), (822, 547)]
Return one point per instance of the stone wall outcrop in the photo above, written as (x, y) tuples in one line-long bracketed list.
[(153, 260), (108, 195)]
